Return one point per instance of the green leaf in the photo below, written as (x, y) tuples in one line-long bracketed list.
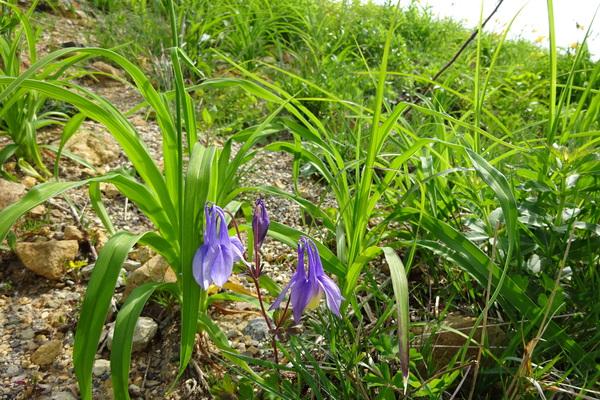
[(197, 186), (120, 356), (95, 306), (400, 285)]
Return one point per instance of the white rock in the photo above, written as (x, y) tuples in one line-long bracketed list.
[(101, 367), (145, 330)]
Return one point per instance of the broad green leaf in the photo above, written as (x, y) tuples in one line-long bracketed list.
[(120, 356), (197, 186), (95, 306)]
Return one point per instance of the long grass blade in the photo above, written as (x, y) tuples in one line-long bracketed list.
[(400, 285)]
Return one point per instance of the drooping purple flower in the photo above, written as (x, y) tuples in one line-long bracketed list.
[(213, 261), (260, 223), (307, 288)]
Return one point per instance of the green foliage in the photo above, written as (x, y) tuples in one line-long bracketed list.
[(485, 178), (23, 113)]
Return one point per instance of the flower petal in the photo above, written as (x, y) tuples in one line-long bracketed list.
[(333, 294), (237, 248), (281, 296), (302, 293), (201, 265), (221, 269)]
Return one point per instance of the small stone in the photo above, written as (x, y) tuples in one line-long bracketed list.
[(257, 329), (135, 390), (138, 380), (86, 271), (40, 338), (145, 330), (88, 172), (37, 212), (144, 254), (98, 148), (10, 192), (28, 182), (139, 122), (27, 320), (56, 395), (234, 333), (46, 353), (13, 370), (47, 259), (131, 265), (57, 319), (27, 334), (10, 166), (101, 237), (101, 367), (109, 190), (73, 233), (155, 270)]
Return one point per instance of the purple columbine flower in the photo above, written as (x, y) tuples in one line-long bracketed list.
[(307, 289), (260, 223), (213, 261)]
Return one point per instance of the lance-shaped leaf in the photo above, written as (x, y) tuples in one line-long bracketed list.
[(400, 285)]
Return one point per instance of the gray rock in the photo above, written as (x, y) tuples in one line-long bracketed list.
[(10, 192), (27, 334), (56, 395), (101, 367), (86, 271), (13, 370), (145, 330), (257, 329), (135, 390), (131, 265), (47, 259)]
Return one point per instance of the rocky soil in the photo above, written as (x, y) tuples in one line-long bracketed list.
[(43, 282)]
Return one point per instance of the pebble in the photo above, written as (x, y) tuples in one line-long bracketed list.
[(257, 329), (63, 396), (13, 370), (101, 367)]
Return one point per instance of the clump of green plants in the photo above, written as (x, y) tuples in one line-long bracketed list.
[(24, 113)]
